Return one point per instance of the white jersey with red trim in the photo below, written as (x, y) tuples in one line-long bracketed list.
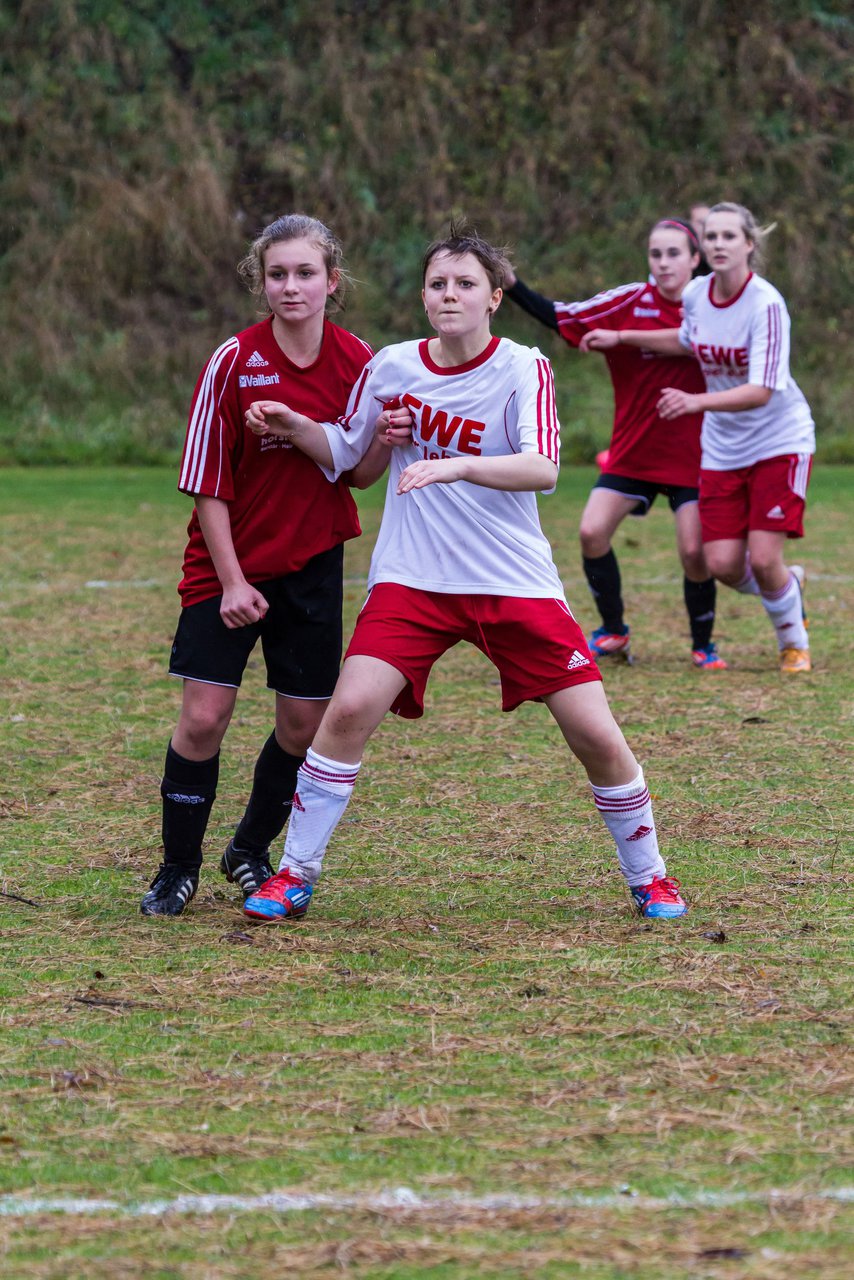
[(460, 537), (746, 340)]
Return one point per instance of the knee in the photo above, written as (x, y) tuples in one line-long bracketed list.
[(594, 540), (201, 731), (766, 570), (605, 754), (347, 716), (296, 727), (694, 563), (725, 568)]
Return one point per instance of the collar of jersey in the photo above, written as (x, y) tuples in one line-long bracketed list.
[(457, 368), (729, 302)]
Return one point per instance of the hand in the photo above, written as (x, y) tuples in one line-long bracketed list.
[(394, 425), (674, 403), (242, 605), (439, 471), (510, 278), (599, 340), (269, 418)]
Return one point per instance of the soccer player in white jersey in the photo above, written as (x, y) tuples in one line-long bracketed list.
[(264, 558), (758, 435), (460, 556), (647, 456)]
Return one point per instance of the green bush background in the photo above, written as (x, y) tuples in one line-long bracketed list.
[(145, 143)]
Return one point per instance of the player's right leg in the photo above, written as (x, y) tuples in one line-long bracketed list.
[(210, 659), (366, 690), (605, 510), (188, 791)]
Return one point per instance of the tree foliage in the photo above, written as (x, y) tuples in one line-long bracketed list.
[(146, 141)]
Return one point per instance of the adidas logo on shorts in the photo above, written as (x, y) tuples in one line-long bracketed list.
[(776, 513), (577, 660), (256, 361)]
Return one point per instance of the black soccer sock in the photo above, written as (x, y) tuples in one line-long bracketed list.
[(603, 577), (700, 600), (188, 790), (269, 806)]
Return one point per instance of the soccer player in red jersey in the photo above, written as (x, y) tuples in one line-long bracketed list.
[(460, 556), (264, 556), (758, 435), (647, 455)]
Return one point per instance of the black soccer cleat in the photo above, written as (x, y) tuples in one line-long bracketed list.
[(171, 890), (248, 870)]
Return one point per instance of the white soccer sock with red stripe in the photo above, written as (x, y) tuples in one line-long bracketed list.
[(786, 611), (627, 811), (323, 792), (748, 585)]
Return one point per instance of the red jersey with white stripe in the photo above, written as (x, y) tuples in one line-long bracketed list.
[(643, 445), (746, 339), (283, 509), (461, 537)]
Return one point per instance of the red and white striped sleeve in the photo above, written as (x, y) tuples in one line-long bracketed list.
[(212, 428), (769, 345), (539, 429), (606, 310)]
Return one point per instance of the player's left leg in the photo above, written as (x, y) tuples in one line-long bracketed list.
[(620, 793), (782, 597), (699, 587), (778, 488)]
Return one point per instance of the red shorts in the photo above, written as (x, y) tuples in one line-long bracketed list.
[(537, 645), (770, 495)]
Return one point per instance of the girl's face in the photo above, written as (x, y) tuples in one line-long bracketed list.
[(458, 295), (296, 281), (671, 260), (726, 245)]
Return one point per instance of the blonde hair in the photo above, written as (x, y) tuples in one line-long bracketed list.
[(755, 234), (295, 226)]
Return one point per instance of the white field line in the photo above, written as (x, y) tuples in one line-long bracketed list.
[(405, 1199)]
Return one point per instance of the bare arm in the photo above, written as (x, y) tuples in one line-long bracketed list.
[(516, 472), (393, 429), (675, 403), (663, 341), (270, 418), (241, 602)]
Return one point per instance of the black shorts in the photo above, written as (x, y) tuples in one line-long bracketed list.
[(646, 492), (300, 634)]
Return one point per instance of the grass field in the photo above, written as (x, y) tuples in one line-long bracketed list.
[(471, 1010)]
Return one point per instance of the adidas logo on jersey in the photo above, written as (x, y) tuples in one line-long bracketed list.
[(577, 660), (257, 361), (647, 297), (776, 513)]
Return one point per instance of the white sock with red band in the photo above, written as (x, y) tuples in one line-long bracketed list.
[(323, 792), (748, 585), (786, 611), (627, 811)]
